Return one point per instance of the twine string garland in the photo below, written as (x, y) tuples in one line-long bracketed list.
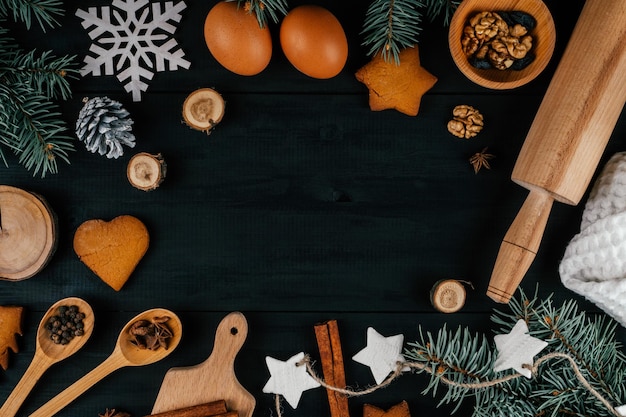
[(469, 385)]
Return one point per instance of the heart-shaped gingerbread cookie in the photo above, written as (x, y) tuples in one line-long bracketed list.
[(112, 249)]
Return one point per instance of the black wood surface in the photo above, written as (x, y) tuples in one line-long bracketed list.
[(302, 206)]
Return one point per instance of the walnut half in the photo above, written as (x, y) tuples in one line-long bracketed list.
[(466, 122)]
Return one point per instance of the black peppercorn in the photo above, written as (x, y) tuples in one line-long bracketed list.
[(66, 324)]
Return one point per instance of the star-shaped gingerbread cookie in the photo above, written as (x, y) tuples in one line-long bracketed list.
[(396, 86), (398, 410)]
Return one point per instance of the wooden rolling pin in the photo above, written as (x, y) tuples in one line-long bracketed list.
[(568, 135)]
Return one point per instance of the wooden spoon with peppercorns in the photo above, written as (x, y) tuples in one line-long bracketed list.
[(127, 352), (49, 351)]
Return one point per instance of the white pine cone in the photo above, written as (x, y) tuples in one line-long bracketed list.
[(103, 124)]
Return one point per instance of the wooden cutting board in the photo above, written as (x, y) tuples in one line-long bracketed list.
[(212, 380)]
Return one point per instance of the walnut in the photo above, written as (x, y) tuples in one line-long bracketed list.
[(518, 47), (469, 41), (499, 56), (481, 53), (518, 31), (487, 25), (490, 42), (466, 122)]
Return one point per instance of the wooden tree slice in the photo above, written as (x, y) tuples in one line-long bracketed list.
[(146, 171), (27, 233), (203, 109), (448, 296)]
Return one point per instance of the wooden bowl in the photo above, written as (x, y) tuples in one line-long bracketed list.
[(544, 37)]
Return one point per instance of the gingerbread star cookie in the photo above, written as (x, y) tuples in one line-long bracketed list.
[(398, 410), (393, 86)]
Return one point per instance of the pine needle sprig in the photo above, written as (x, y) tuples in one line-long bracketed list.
[(459, 356), (34, 129), (435, 8), (588, 339), (265, 9), (463, 364), (46, 73), (390, 26), (45, 12)]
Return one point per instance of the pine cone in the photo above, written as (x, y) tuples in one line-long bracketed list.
[(104, 124)]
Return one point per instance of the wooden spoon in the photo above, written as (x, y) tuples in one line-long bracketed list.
[(124, 354), (48, 353)]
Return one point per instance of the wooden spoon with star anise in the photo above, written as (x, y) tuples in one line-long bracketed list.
[(125, 353)]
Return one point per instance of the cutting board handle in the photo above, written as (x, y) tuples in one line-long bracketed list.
[(230, 336), (211, 380)]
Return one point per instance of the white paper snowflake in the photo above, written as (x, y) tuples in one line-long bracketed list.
[(131, 42)]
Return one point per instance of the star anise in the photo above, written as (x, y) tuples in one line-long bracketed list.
[(113, 413), (150, 334), (481, 160)]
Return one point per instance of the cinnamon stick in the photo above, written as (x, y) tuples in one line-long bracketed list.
[(211, 409), (329, 345)]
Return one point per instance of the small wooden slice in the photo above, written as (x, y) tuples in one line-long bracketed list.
[(27, 233), (146, 171), (203, 109), (448, 296)]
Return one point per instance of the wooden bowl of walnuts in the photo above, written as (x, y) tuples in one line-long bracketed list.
[(501, 44)]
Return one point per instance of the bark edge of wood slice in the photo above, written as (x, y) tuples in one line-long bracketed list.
[(28, 233), (203, 109), (146, 171)]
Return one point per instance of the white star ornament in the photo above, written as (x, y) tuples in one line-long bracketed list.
[(516, 349), (288, 379), (381, 354)]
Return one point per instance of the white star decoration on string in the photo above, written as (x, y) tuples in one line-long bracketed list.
[(381, 354), (517, 348), (288, 379), (621, 410)]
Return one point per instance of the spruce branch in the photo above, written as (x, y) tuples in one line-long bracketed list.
[(45, 12), (586, 375), (264, 9), (35, 131), (45, 73), (390, 26), (31, 123), (435, 8)]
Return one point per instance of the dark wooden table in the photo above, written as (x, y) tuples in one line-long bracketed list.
[(302, 206)]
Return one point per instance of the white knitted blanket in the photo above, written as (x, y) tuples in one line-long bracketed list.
[(594, 263)]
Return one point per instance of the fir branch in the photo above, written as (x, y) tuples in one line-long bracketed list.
[(264, 9), (45, 12), (586, 376), (589, 340), (31, 123), (435, 8), (46, 73), (8, 46), (34, 129), (390, 26)]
